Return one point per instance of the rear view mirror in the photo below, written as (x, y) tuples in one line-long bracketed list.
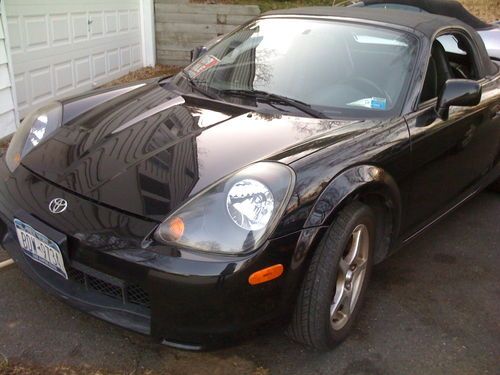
[(201, 50), (460, 92), (198, 52)]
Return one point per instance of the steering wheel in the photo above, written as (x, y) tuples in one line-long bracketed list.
[(362, 83), (348, 90), (459, 72)]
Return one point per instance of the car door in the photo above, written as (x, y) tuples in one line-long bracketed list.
[(450, 156)]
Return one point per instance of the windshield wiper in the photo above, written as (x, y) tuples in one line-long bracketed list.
[(193, 84), (304, 107)]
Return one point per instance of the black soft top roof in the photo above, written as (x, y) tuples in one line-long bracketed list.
[(427, 23), (450, 8)]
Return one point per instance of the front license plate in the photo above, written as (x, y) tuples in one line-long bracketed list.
[(40, 248)]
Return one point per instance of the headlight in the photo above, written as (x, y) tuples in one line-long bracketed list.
[(235, 215), (250, 204), (35, 128)]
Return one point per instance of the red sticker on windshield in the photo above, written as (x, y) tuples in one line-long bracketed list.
[(202, 65)]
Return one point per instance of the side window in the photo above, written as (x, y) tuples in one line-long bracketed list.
[(460, 55), (451, 57)]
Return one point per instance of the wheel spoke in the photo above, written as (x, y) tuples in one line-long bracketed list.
[(334, 308), (343, 266), (341, 305), (347, 303), (337, 302), (360, 266), (350, 275), (357, 276), (355, 246)]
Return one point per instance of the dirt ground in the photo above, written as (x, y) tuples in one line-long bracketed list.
[(20, 369), (145, 73), (3, 144)]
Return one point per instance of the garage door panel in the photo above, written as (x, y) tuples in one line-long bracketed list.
[(74, 50), (113, 61), (15, 35), (134, 20), (97, 23), (111, 22), (41, 85), (79, 22), (36, 32), (63, 77), (21, 91), (99, 65), (59, 30), (63, 47), (82, 70), (123, 21), (125, 57), (135, 54)]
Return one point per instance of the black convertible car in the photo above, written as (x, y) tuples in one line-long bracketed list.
[(262, 182)]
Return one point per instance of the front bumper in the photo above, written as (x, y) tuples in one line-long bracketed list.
[(184, 299)]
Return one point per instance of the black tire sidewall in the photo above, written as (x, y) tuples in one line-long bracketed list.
[(495, 186), (362, 215)]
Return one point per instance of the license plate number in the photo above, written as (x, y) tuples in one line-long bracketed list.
[(40, 248)]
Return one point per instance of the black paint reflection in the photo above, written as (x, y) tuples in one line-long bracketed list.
[(153, 166)]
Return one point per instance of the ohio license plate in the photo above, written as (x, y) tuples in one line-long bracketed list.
[(40, 248)]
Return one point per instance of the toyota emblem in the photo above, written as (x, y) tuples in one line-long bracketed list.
[(58, 205)]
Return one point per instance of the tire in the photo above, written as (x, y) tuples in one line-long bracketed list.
[(495, 186), (313, 322)]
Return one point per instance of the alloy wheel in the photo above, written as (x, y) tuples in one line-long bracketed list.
[(350, 277)]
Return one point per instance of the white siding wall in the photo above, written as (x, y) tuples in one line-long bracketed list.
[(7, 111)]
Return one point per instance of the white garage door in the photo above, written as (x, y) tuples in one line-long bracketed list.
[(63, 47)]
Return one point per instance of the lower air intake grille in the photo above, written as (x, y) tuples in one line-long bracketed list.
[(103, 287), (127, 293), (137, 295)]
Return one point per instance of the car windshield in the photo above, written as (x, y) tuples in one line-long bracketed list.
[(337, 68)]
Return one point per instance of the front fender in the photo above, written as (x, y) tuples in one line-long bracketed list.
[(357, 180), (361, 182)]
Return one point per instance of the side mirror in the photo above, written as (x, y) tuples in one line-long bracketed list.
[(460, 92), (197, 52)]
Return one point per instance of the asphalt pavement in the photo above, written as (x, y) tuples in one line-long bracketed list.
[(432, 308), (3, 255)]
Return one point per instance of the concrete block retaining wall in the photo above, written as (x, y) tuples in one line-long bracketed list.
[(181, 26)]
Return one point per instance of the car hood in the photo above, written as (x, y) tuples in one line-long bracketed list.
[(145, 149)]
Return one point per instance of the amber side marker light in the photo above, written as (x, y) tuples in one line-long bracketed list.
[(266, 274)]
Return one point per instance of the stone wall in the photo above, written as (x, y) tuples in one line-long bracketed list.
[(181, 26)]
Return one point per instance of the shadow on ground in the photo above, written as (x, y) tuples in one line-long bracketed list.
[(432, 308)]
